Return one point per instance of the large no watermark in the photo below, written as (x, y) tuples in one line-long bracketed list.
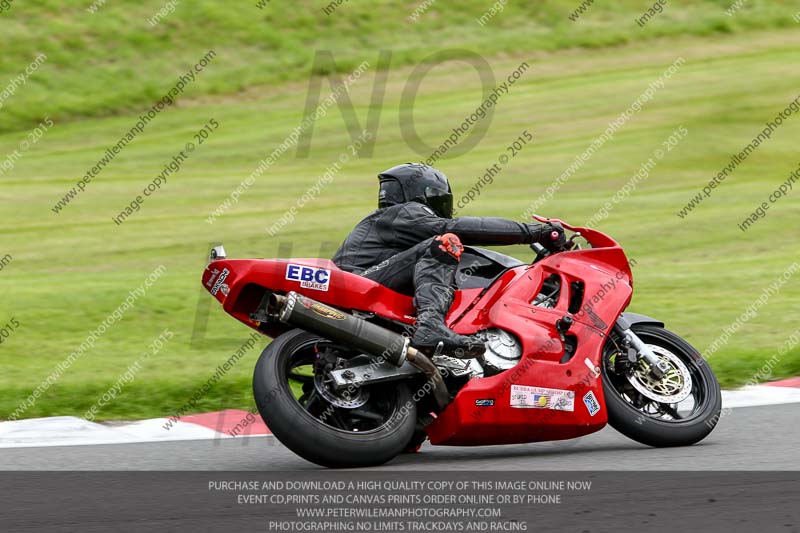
[(409, 97), (324, 61)]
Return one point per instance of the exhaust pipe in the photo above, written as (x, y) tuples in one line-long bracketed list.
[(315, 317), (311, 315)]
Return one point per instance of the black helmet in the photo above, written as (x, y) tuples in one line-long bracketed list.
[(415, 182)]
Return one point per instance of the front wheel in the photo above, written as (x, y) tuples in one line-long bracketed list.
[(680, 409), (365, 426)]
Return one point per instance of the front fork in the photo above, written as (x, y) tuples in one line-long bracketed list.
[(637, 351)]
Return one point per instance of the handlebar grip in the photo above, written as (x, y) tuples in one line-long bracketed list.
[(540, 251)]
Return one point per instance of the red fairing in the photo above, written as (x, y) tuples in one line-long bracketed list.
[(546, 396), (320, 279), (483, 412)]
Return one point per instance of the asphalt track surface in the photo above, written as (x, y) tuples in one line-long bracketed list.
[(743, 478), (748, 438)]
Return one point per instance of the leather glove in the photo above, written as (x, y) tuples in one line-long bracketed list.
[(549, 235)]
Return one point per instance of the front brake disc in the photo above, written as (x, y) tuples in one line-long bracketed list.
[(674, 387)]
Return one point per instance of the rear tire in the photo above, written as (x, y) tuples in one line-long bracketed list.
[(645, 427), (310, 437), (417, 440)]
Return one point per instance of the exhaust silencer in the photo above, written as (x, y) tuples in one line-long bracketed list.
[(316, 317)]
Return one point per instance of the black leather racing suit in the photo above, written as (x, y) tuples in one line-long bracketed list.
[(394, 247)]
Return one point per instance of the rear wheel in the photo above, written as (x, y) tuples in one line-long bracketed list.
[(361, 426), (680, 409)]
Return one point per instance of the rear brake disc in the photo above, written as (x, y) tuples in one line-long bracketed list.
[(350, 398)]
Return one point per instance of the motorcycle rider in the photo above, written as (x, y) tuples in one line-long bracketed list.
[(411, 244)]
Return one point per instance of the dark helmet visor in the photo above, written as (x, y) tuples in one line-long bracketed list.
[(440, 201)]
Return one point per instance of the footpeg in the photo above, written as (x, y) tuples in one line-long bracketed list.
[(457, 367)]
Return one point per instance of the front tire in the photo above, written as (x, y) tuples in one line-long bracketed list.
[(631, 408), (305, 420)]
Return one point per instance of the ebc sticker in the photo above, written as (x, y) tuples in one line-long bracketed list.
[(318, 279)]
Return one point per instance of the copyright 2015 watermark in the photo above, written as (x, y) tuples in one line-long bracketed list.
[(5, 5)]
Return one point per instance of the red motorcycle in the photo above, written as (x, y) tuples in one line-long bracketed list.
[(342, 386)]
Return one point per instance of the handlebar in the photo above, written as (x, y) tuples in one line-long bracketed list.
[(542, 252)]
